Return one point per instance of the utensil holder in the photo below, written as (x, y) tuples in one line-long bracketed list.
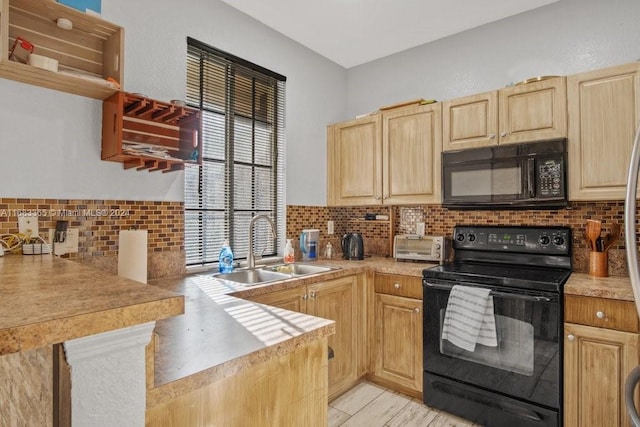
[(599, 264)]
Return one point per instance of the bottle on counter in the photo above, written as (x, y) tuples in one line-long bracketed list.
[(289, 255), (225, 260), (328, 251)]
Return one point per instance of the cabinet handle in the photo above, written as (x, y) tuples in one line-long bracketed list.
[(115, 123), (601, 315), (396, 285), (571, 337), (417, 310), (305, 297), (492, 135), (503, 134), (377, 197), (312, 295)]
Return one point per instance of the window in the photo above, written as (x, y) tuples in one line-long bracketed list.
[(242, 171)]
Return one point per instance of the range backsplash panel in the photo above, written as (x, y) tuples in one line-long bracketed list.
[(99, 222)]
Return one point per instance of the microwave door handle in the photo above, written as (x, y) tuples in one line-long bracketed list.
[(531, 177)]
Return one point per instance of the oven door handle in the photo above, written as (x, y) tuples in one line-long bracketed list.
[(534, 298)]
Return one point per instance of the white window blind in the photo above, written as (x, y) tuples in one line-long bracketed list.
[(242, 171)]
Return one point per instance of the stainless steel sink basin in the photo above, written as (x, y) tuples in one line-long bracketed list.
[(252, 276), (298, 269)]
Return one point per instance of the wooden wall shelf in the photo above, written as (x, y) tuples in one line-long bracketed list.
[(144, 133), (87, 54)]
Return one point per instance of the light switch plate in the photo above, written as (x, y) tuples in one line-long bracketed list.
[(330, 227), (28, 224)]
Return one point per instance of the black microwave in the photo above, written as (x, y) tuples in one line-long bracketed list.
[(515, 176)]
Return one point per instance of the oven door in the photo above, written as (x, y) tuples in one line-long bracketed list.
[(525, 364)]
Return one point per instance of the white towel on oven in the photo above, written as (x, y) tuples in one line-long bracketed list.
[(469, 318)]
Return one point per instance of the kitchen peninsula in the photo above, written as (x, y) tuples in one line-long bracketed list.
[(104, 322)]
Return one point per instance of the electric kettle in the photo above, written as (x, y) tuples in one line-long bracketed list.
[(352, 246)]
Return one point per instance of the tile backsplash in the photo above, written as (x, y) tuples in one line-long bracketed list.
[(440, 221), (99, 222)]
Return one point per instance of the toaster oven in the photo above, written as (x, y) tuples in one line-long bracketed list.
[(413, 247)]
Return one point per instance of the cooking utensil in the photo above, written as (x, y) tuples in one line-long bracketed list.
[(593, 230), (612, 236)]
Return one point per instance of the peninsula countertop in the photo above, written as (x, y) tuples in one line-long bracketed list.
[(221, 332), (46, 300)]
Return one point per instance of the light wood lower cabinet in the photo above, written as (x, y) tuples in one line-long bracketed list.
[(339, 300), (398, 333), (289, 390), (597, 360)]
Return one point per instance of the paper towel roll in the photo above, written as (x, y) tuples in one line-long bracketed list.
[(132, 255)]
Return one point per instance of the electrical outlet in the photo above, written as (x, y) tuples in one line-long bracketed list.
[(330, 227), (28, 225)]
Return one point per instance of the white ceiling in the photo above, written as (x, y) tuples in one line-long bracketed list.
[(353, 32)]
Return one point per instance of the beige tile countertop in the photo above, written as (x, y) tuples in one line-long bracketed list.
[(46, 300), (612, 287)]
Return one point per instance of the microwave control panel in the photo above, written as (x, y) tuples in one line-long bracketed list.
[(550, 178)]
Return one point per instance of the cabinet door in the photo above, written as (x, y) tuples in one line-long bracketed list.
[(354, 163), (604, 110), (337, 300), (596, 364), (470, 122), (533, 111), (412, 143), (294, 299), (399, 340)]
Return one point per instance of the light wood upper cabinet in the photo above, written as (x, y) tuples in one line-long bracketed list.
[(470, 121), (604, 108), (533, 111), (354, 162), (411, 143), (522, 113), (386, 158)]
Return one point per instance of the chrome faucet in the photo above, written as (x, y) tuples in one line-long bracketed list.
[(251, 260)]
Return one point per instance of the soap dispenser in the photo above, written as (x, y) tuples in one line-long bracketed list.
[(289, 255)]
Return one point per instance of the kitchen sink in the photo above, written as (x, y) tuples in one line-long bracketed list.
[(297, 269), (252, 276)]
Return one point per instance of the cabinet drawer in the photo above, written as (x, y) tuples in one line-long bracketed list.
[(403, 286), (601, 312)]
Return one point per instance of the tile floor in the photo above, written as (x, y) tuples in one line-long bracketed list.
[(370, 405)]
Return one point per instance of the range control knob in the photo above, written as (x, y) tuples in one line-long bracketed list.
[(436, 246), (459, 237), (471, 237), (544, 240), (558, 240)]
